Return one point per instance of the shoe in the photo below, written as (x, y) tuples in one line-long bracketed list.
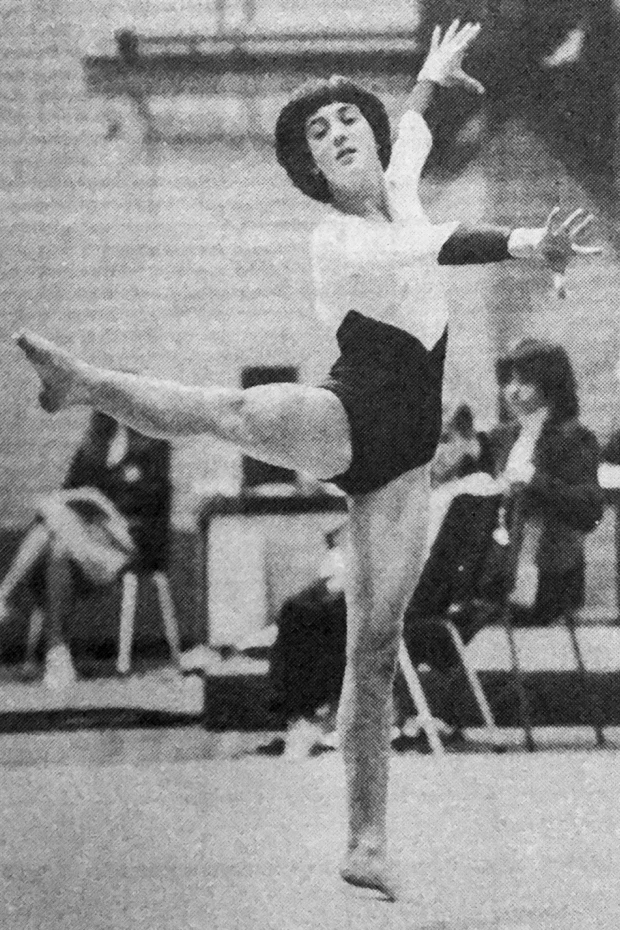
[(301, 736), (405, 743), (455, 740), (59, 669), (320, 748), (200, 659), (274, 747)]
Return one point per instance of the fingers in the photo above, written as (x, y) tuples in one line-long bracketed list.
[(572, 226), (23, 339), (582, 225), (452, 30), (470, 83), (467, 34), (564, 227), (587, 249), (551, 217), (459, 37)]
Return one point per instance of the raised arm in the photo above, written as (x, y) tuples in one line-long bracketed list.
[(444, 65)]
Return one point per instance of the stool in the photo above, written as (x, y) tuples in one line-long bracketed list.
[(128, 616)]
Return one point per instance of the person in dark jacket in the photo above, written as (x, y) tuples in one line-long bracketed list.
[(307, 660), (112, 513), (546, 463)]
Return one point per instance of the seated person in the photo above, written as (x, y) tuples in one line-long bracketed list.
[(112, 513), (308, 659), (544, 499), (546, 463)]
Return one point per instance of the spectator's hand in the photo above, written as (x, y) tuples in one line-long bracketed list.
[(444, 63), (514, 477), (558, 244), (519, 474)]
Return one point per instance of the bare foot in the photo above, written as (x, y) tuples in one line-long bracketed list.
[(61, 374), (370, 870)]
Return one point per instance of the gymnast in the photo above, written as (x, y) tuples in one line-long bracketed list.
[(373, 426)]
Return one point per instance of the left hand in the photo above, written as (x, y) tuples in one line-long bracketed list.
[(444, 62), (557, 245)]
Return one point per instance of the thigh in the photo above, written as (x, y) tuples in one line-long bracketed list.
[(298, 426)]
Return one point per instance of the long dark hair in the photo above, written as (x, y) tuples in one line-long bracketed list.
[(292, 149), (547, 365)]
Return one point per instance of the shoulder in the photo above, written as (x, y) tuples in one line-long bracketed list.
[(562, 437), (571, 430), (413, 128)]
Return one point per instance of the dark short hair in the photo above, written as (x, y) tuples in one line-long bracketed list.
[(547, 365), (292, 149)]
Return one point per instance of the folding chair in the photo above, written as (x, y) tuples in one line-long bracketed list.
[(449, 576), (523, 545)]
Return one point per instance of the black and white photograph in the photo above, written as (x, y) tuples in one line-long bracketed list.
[(310, 465)]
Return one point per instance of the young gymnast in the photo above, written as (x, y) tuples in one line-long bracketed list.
[(373, 426)]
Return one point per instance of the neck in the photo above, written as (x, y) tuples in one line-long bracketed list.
[(534, 416), (370, 203)]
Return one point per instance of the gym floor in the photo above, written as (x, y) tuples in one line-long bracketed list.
[(511, 842)]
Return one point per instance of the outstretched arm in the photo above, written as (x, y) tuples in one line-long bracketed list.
[(554, 243)]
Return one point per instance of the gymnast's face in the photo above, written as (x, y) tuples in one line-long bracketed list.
[(523, 397), (342, 145)]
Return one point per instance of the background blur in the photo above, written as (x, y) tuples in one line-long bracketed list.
[(186, 254)]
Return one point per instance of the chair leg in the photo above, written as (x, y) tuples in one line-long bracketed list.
[(128, 616), (419, 699), (170, 621), (474, 683), (35, 631), (594, 708), (519, 679)]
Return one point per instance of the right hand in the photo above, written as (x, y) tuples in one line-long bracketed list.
[(444, 61), (557, 245)]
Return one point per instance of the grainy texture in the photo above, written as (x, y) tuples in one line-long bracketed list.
[(191, 259), (517, 843)]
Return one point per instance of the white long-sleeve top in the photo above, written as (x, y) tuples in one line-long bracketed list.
[(387, 270)]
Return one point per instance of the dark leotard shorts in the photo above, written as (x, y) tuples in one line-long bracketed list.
[(390, 387)]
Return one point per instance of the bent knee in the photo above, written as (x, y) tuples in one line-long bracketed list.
[(305, 425), (268, 410)]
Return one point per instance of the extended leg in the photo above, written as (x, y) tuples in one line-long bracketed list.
[(296, 426), (388, 532)]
